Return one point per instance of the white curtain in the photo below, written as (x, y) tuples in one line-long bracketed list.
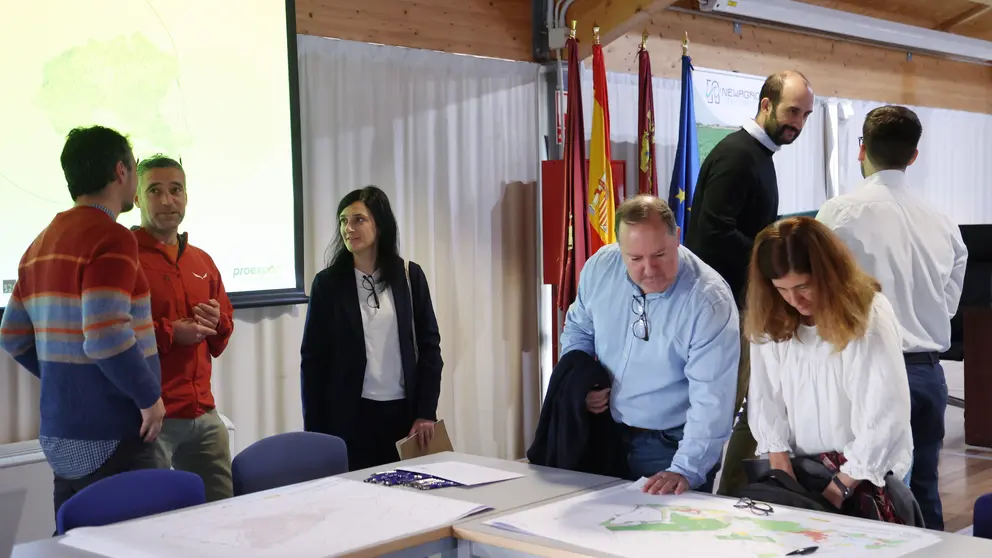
[(800, 166), (453, 141), (953, 170)]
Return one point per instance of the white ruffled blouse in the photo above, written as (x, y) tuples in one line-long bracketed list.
[(806, 398)]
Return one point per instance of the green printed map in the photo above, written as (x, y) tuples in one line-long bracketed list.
[(727, 526), (624, 521)]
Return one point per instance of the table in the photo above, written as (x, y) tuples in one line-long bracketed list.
[(539, 484), (475, 539)]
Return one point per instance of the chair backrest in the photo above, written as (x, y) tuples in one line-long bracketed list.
[(982, 518), (130, 495), (288, 458)]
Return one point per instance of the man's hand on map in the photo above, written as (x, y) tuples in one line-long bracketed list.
[(666, 482)]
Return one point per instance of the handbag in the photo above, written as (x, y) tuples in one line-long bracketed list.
[(413, 311)]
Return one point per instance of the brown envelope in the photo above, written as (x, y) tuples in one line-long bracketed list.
[(408, 448)]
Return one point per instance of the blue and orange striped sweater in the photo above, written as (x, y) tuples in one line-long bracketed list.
[(79, 318)]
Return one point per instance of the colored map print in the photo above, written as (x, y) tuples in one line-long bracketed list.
[(736, 527), (624, 521)]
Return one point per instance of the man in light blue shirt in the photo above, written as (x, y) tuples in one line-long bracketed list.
[(665, 326)]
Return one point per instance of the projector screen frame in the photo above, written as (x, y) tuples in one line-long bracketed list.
[(297, 294)]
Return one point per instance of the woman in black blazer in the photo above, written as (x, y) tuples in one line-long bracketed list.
[(371, 353)]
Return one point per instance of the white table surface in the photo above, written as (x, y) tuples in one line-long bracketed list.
[(537, 485)]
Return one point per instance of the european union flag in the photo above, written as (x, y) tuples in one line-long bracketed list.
[(686, 170)]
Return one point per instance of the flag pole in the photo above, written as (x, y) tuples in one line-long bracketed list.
[(686, 171), (644, 39)]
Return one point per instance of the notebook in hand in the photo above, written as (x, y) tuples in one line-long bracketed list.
[(408, 448)]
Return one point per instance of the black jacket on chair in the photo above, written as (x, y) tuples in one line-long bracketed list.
[(333, 359), (568, 435)]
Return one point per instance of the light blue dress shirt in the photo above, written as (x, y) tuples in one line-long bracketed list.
[(686, 373)]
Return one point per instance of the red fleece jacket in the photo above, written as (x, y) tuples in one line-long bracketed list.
[(182, 276)]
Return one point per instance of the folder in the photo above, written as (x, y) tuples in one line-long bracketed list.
[(408, 448)]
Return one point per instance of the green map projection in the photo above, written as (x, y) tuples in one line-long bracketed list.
[(708, 136), (122, 82), (726, 526)]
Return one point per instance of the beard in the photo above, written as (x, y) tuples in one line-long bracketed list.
[(777, 132), (128, 205)]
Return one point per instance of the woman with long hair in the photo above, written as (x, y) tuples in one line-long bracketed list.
[(371, 352), (828, 380)]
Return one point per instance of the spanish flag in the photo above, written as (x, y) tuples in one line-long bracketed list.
[(601, 201)]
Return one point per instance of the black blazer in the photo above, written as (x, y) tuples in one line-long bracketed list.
[(569, 436), (333, 351)]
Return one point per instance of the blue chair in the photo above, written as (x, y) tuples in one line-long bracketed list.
[(130, 495), (982, 519), (288, 458)]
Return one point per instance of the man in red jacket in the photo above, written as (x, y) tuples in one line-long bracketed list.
[(193, 322)]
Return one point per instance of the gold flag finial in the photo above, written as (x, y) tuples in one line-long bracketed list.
[(644, 39), (595, 34), (685, 44), (571, 32)]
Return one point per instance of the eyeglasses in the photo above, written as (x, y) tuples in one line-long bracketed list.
[(861, 141), (639, 306), (757, 508), (369, 285)]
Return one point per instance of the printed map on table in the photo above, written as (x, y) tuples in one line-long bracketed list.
[(623, 521)]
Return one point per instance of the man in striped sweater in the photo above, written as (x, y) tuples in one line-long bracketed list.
[(79, 319)]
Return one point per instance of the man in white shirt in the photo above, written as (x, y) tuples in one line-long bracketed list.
[(919, 257)]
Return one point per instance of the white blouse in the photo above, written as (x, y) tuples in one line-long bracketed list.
[(383, 364), (807, 398)]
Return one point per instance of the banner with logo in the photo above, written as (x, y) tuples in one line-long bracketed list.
[(723, 101)]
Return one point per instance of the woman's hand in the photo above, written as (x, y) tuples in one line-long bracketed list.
[(781, 461), (833, 493), (424, 430)]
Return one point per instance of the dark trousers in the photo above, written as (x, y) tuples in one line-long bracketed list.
[(130, 455), (742, 445), (928, 392), (379, 426)]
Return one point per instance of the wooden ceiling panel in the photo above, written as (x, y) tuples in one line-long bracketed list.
[(836, 68), (931, 14), (910, 12), (980, 27), (496, 28)]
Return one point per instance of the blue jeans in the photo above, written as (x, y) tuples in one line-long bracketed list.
[(651, 451), (928, 392)]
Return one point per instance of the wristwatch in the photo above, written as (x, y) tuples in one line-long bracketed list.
[(845, 491)]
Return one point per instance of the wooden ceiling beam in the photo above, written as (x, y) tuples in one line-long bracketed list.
[(615, 18), (978, 10)]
